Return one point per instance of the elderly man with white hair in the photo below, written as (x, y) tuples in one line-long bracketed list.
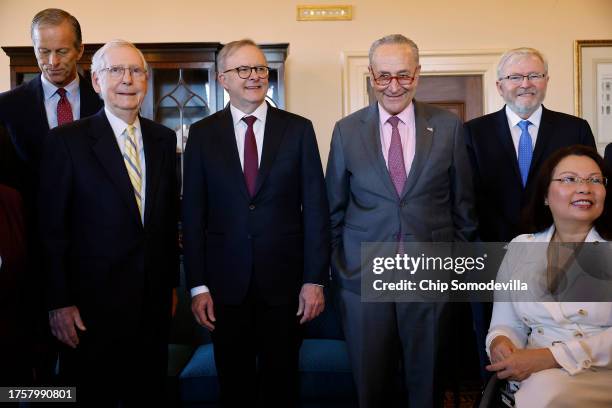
[(108, 206)]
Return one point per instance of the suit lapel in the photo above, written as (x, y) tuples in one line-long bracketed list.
[(545, 132), (422, 145), (505, 138), (106, 150), (90, 101), (273, 135), (370, 137), (40, 113), (228, 147), (154, 160)]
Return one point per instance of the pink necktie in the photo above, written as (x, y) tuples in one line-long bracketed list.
[(250, 155), (395, 159), (64, 110)]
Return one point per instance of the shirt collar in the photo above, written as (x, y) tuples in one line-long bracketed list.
[(117, 124), (592, 236), (49, 89), (260, 113), (404, 115), (514, 119)]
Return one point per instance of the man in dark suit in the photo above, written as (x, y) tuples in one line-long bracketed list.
[(31, 109), (256, 233), (108, 210), (507, 148), (397, 172), (608, 155), (28, 112)]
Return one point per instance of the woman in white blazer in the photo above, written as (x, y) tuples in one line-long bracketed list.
[(560, 353)]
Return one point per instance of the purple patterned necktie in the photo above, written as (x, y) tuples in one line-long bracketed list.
[(250, 155), (395, 159), (64, 110)]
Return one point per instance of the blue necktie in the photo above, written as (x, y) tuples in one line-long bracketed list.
[(524, 150)]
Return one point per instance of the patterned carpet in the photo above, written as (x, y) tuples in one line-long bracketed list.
[(468, 395)]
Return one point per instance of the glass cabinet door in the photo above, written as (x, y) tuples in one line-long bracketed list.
[(179, 96)]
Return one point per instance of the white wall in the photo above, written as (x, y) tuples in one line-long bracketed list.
[(314, 63)]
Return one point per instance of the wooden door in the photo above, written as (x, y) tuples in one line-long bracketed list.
[(461, 94)]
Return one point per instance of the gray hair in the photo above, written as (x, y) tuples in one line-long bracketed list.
[(55, 17), (98, 62), (394, 39), (520, 53), (231, 47)]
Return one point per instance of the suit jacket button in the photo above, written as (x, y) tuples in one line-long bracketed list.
[(252, 207)]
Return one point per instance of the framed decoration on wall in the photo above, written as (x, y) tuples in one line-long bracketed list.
[(593, 86)]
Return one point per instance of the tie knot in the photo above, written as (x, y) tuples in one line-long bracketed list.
[(130, 131), (393, 120), (249, 120), (524, 124), (61, 92)]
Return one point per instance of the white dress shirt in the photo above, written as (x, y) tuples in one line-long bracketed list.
[(515, 130), (120, 131), (51, 98), (240, 128)]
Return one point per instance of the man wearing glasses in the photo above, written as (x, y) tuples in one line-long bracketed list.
[(109, 214), (397, 172), (255, 233), (506, 150)]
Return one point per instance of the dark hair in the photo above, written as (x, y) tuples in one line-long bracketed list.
[(55, 17), (537, 216)]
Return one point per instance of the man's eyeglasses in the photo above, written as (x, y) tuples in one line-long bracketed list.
[(244, 71), (117, 71), (386, 78), (573, 180), (518, 79)]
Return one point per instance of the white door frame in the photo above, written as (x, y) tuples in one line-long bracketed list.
[(467, 62)]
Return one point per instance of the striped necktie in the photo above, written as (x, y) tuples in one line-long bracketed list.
[(132, 163)]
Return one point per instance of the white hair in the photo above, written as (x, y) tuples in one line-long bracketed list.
[(98, 63), (398, 39), (519, 53)]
